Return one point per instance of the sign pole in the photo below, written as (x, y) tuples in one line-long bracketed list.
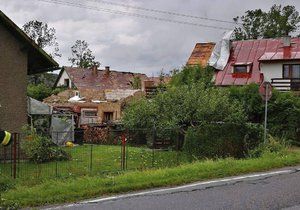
[(266, 114)]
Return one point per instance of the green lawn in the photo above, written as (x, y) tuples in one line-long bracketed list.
[(74, 189), (96, 159)]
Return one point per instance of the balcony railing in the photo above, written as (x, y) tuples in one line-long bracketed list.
[(283, 84)]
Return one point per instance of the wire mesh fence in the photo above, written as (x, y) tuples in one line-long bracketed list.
[(115, 151)]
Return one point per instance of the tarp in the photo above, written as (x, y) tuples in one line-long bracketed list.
[(62, 128), (221, 52), (36, 107)]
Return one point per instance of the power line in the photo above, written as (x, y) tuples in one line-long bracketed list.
[(162, 11), (112, 11)]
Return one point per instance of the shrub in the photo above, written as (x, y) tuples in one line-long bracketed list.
[(221, 140), (273, 145), (283, 110), (40, 149)]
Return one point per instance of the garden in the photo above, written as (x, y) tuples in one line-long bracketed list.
[(206, 132)]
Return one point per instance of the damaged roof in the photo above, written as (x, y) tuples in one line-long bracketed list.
[(103, 80), (201, 54), (90, 97), (252, 52)]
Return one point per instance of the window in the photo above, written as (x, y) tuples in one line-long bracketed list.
[(108, 116), (90, 113), (291, 71), (67, 82), (240, 69)]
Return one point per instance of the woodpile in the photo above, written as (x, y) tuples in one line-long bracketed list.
[(99, 135)]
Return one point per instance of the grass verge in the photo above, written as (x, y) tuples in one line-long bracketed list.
[(68, 190)]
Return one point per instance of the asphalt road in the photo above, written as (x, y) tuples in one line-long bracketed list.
[(278, 190)]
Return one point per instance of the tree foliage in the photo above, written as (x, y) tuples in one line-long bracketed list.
[(38, 92), (277, 22), (283, 110), (184, 106), (82, 56), (192, 74), (41, 91), (43, 35)]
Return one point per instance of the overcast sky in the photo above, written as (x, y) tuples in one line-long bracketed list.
[(129, 43)]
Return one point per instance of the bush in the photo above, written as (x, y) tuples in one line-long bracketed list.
[(41, 149), (38, 92), (273, 145), (283, 110), (221, 140)]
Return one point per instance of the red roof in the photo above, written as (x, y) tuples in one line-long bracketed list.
[(84, 78), (252, 52)]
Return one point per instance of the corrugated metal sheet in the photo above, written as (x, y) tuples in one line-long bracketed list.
[(201, 54), (255, 51)]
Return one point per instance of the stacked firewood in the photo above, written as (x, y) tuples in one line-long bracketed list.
[(99, 135)]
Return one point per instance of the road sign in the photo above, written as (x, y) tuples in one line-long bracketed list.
[(265, 90)]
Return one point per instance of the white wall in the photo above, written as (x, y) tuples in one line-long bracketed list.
[(273, 70), (61, 81)]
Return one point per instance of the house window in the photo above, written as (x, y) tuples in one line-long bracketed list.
[(108, 116), (291, 71), (67, 83), (240, 69), (90, 113)]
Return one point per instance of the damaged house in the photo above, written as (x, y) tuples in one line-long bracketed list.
[(96, 96), (252, 61)]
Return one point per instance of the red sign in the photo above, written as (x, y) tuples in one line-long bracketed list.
[(265, 90)]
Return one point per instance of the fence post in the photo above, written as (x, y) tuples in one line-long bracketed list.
[(18, 149), (14, 155), (123, 152), (91, 158), (153, 145), (56, 163)]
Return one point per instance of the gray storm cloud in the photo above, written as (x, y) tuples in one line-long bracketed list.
[(130, 43)]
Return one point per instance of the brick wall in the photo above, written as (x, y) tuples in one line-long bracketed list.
[(13, 81)]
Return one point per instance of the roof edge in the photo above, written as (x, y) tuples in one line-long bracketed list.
[(23, 35)]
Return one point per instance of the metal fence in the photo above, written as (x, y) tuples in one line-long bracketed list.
[(110, 152)]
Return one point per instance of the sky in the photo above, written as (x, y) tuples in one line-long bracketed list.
[(130, 43)]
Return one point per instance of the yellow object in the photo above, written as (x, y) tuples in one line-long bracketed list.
[(69, 144), (6, 139)]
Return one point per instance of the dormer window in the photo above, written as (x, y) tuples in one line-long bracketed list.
[(240, 69)]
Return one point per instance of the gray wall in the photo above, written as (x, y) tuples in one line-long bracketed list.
[(13, 82)]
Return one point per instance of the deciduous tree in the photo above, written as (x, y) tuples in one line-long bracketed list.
[(277, 22), (82, 56)]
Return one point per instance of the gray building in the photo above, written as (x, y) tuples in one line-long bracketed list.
[(19, 57)]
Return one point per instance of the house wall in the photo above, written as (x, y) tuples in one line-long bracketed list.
[(13, 82), (114, 107), (61, 81), (85, 120), (273, 70)]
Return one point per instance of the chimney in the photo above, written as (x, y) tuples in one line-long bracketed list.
[(107, 71), (286, 41), (95, 71)]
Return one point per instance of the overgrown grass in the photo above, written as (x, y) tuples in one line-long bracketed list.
[(95, 159), (74, 189)]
